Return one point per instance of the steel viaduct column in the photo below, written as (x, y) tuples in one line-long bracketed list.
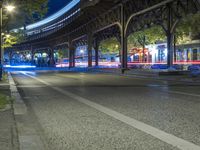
[(71, 55), (10, 57), (32, 56), (123, 41), (51, 55), (96, 47), (89, 40), (170, 36)]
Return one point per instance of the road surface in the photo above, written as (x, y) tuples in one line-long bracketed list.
[(79, 111)]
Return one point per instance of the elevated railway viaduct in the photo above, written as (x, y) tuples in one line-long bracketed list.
[(88, 22)]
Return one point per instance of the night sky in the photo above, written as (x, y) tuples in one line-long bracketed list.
[(55, 5)]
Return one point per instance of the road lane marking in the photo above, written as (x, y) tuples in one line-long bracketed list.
[(159, 134), (4, 84), (31, 86), (183, 93)]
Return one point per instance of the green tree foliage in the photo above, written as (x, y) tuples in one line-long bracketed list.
[(60, 54), (26, 12), (148, 36), (188, 29), (63, 53), (9, 41), (13, 38), (109, 46), (138, 39)]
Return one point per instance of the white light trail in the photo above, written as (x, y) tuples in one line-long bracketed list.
[(54, 16)]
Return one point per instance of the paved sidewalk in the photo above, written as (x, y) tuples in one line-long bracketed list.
[(8, 132)]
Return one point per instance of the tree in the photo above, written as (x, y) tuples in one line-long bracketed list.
[(144, 37), (27, 11), (110, 46), (62, 53), (13, 38), (188, 29), (9, 41), (147, 36)]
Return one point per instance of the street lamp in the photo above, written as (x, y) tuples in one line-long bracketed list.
[(117, 46), (8, 35), (82, 53), (9, 8)]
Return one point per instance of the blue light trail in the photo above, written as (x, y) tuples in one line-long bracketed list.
[(54, 16), (19, 66)]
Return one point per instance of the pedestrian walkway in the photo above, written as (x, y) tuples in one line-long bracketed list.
[(8, 133)]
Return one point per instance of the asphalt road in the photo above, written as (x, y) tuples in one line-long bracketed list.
[(78, 111)]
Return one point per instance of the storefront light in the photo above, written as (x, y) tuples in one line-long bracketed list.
[(44, 55), (165, 51), (81, 51), (28, 56)]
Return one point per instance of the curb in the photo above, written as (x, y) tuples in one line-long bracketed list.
[(18, 104), (27, 136)]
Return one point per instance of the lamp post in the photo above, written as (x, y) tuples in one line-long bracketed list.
[(9, 8), (1, 65)]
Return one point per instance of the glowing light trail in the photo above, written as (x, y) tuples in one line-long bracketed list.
[(19, 66), (54, 16)]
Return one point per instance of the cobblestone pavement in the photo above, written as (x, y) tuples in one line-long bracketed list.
[(67, 124), (8, 134)]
